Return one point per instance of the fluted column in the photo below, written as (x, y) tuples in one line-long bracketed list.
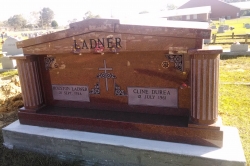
[(30, 82), (204, 87)]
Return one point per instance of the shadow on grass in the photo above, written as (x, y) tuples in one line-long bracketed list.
[(15, 157), (224, 57), (22, 158)]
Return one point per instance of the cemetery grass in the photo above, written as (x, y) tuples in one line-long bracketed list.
[(234, 99), (238, 24), (8, 73)]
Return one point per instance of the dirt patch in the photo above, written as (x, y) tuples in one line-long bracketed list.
[(10, 99)]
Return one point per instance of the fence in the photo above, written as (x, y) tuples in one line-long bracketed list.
[(230, 39)]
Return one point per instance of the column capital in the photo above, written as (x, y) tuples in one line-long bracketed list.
[(209, 50)]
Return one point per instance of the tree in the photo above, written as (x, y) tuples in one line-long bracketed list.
[(34, 18), (46, 17), (54, 24), (1, 24), (5, 23), (89, 15), (171, 6), (72, 21), (143, 12), (17, 21)]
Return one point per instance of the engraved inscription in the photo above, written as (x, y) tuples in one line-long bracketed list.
[(70, 93), (164, 97)]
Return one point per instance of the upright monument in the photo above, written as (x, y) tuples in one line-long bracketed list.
[(146, 81)]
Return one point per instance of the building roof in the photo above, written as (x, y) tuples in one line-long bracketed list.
[(241, 5), (199, 3), (178, 12), (186, 11), (113, 26), (152, 20)]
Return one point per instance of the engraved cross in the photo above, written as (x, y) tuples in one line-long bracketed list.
[(105, 69)]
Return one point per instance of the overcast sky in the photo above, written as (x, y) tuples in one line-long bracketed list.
[(69, 9)]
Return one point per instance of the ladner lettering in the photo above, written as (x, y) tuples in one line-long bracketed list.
[(92, 43)]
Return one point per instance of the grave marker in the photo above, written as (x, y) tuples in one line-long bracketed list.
[(226, 27), (247, 25), (221, 29), (11, 49), (147, 81), (239, 48)]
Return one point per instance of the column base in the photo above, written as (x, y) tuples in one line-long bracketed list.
[(154, 127), (31, 110), (214, 126)]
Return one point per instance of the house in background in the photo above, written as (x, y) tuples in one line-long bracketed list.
[(219, 9), (200, 14), (242, 5)]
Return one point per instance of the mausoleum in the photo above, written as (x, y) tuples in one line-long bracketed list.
[(148, 81)]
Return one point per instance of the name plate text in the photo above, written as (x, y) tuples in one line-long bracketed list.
[(70, 93), (163, 97)]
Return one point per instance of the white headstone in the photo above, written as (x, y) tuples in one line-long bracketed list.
[(10, 47), (8, 63), (239, 47)]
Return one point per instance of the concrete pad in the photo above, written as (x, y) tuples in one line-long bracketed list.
[(104, 149)]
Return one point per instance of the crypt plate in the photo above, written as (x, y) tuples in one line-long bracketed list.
[(70, 92), (163, 97)]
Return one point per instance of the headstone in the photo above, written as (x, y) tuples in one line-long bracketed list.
[(226, 27), (207, 41), (11, 49), (221, 29), (147, 81), (247, 26), (8, 63), (222, 21), (239, 48), (213, 27)]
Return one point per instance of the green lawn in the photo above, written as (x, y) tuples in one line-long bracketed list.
[(235, 70), (234, 97), (237, 24)]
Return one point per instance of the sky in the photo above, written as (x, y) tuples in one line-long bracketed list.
[(66, 10)]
